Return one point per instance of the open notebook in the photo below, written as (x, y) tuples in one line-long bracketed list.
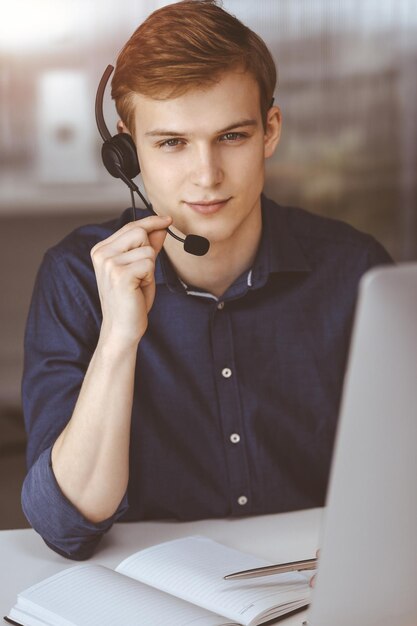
[(178, 583)]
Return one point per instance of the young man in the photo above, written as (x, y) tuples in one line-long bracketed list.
[(158, 384)]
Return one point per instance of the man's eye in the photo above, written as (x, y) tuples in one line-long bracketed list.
[(170, 143), (232, 136)]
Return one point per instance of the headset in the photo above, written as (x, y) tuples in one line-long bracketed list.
[(121, 161)]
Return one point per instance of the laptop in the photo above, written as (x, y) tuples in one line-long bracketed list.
[(367, 574)]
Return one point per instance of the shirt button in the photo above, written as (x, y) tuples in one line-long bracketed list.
[(226, 372), (220, 306), (242, 500), (235, 438)]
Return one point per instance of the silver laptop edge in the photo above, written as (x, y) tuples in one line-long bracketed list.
[(367, 572)]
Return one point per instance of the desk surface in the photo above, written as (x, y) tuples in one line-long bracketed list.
[(25, 559)]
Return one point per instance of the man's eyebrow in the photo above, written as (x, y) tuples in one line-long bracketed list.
[(160, 132), (239, 124)]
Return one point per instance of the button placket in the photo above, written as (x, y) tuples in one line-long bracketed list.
[(227, 386)]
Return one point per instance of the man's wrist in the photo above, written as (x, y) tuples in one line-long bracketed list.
[(114, 345)]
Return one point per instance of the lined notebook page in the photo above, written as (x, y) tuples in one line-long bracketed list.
[(193, 569), (97, 596)]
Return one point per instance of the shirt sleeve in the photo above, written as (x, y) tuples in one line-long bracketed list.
[(377, 255), (61, 336), (61, 525)]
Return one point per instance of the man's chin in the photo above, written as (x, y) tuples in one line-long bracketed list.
[(215, 234), (215, 238)]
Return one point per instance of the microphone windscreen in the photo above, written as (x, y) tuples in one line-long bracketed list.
[(194, 244)]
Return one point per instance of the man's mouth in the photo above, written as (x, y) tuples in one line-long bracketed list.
[(208, 207)]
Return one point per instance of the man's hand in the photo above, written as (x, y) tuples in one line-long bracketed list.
[(124, 265), (90, 458)]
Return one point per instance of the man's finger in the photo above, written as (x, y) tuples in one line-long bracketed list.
[(131, 256), (133, 235), (147, 224), (156, 239)]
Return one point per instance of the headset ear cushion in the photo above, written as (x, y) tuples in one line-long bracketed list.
[(119, 153)]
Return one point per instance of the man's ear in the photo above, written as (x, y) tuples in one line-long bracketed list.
[(121, 128), (272, 131)]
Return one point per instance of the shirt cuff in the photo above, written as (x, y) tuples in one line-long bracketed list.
[(51, 514)]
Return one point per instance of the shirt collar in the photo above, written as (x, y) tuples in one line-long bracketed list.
[(278, 252), (165, 273)]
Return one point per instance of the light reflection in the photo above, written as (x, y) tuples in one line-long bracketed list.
[(65, 136), (35, 25)]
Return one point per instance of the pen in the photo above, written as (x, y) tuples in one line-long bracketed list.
[(294, 566)]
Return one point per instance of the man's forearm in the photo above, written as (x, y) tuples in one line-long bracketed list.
[(90, 458)]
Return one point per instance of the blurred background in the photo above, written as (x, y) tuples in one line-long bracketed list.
[(347, 89)]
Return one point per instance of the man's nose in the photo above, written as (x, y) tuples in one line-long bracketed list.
[(207, 169)]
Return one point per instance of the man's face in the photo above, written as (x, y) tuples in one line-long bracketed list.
[(202, 155)]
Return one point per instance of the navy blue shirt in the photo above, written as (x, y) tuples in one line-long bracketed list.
[(236, 399)]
